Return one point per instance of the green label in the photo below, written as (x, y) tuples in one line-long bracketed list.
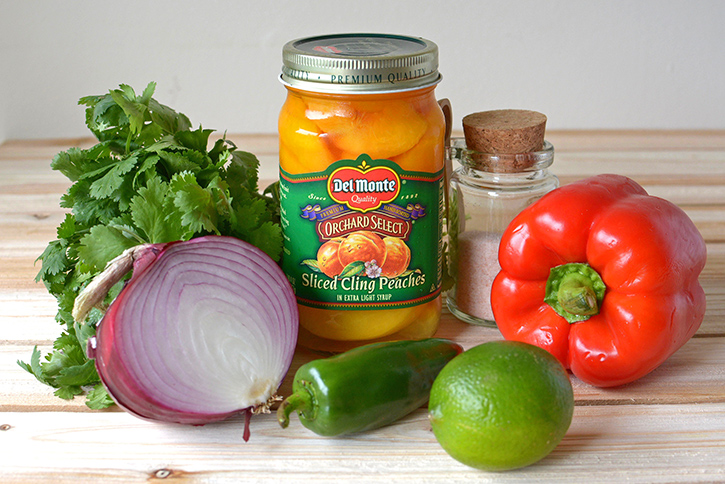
[(362, 234)]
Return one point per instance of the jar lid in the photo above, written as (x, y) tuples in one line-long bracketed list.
[(360, 63)]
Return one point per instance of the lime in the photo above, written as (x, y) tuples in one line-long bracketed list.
[(501, 405)]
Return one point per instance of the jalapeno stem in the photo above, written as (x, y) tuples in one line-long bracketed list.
[(301, 400)]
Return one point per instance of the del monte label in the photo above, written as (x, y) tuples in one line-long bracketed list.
[(363, 187), (363, 233)]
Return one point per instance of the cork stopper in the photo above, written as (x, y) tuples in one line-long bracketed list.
[(502, 131)]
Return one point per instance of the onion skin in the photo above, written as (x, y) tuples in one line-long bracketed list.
[(155, 278)]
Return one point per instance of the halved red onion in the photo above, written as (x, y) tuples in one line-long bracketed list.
[(204, 329)]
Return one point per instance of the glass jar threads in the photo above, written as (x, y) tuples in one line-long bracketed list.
[(502, 168), (362, 187)]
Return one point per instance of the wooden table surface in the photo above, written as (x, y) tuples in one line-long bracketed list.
[(666, 427)]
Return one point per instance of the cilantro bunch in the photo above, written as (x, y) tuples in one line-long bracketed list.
[(150, 179)]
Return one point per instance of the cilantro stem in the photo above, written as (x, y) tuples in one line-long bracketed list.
[(129, 233)]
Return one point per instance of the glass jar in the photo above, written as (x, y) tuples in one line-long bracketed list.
[(486, 192), (361, 188)]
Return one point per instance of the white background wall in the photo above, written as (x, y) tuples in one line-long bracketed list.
[(595, 64)]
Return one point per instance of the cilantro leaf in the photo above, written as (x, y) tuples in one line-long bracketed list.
[(243, 171), (71, 163), (145, 97), (88, 210), (68, 353), (34, 366), (77, 375), (249, 215), (196, 204), (68, 392), (105, 118), (98, 398), (154, 213), (84, 331), (67, 227), (134, 110), (167, 119), (268, 237), (105, 186), (177, 162), (102, 244), (54, 260), (194, 140)]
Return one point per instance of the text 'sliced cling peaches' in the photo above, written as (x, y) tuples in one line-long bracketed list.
[(361, 187)]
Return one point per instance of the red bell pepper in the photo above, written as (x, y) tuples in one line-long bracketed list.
[(603, 276)]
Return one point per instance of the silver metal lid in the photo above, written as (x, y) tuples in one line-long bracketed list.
[(360, 63)]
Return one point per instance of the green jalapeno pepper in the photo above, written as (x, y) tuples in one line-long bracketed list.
[(367, 387)]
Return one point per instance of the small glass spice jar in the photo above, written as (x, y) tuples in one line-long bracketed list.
[(502, 168)]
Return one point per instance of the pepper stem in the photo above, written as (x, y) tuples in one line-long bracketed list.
[(576, 295), (301, 401), (575, 291)]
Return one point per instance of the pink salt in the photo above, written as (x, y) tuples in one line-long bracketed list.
[(477, 268)]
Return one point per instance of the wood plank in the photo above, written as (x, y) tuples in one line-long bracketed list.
[(25, 149), (28, 309), (563, 140), (661, 154), (659, 165), (692, 375), (648, 443), (27, 317), (636, 140)]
